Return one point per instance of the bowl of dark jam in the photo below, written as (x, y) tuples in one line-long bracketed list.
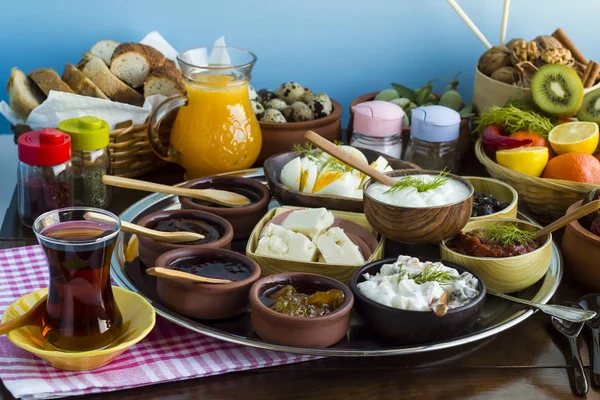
[(301, 310), (207, 300), (217, 232), (243, 219)]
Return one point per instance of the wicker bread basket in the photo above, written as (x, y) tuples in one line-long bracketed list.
[(546, 199)]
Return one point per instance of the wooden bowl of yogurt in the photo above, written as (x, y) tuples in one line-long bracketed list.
[(412, 216)]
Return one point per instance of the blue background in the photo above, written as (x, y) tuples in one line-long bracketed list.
[(342, 47)]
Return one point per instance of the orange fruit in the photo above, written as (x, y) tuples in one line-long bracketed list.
[(538, 141), (597, 155), (576, 167)]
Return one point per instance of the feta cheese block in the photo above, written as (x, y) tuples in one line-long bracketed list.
[(337, 248), (284, 243), (310, 221)]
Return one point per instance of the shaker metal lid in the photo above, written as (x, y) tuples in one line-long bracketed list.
[(378, 118), (44, 147), (435, 124)]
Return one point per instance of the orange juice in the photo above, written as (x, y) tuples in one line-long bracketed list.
[(217, 130)]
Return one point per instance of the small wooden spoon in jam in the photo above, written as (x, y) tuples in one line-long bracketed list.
[(176, 275)]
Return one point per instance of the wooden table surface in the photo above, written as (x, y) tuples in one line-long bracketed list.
[(525, 362)]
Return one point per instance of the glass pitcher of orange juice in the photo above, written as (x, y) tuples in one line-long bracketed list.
[(215, 129)]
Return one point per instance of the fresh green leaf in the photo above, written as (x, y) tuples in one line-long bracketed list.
[(513, 119), (508, 234), (423, 93), (467, 111), (432, 273), (418, 183), (405, 92)]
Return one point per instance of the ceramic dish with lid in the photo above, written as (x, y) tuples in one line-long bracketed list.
[(242, 219), (217, 231), (316, 332), (138, 320), (207, 300)]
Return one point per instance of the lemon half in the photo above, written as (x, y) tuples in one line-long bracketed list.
[(527, 160), (574, 137)]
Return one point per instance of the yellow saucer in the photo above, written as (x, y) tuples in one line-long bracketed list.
[(138, 320)]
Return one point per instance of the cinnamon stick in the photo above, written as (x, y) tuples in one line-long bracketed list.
[(562, 37), (586, 72), (591, 80)]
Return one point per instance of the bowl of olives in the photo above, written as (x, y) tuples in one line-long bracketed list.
[(492, 199)]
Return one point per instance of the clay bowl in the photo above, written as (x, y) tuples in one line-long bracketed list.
[(417, 224), (242, 219), (151, 249), (581, 249), (286, 196), (278, 138), (315, 332), (464, 136), (206, 300), (507, 274), (414, 326), (500, 191)]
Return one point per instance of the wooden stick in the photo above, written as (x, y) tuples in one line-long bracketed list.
[(176, 275), (593, 76), (576, 214), (562, 37), (504, 21), (347, 158), (469, 23)]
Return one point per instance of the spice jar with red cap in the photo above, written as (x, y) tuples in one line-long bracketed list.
[(44, 175)]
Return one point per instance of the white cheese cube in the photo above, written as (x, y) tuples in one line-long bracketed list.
[(310, 221), (284, 243), (337, 248)]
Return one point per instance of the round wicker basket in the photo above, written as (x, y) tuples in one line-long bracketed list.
[(547, 199)]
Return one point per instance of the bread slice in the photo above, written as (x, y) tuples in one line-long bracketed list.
[(47, 79), (98, 72), (104, 50), (23, 93), (132, 62), (80, 83), (166, 81)]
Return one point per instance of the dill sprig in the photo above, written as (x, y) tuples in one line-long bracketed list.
[(513, 119), (307, 150), (432, 273), (304, 150), (508, 234), (419, 184)]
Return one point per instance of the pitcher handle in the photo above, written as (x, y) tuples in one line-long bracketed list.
[(165, 107)]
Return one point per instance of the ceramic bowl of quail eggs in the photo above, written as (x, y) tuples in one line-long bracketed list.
[(287, 112)]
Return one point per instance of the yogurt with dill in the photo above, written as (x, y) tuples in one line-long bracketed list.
[(452, 191), (409, 284)]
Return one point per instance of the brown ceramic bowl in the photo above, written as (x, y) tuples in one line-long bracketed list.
[(316, 332), (288, 197), (151, 249), (278, 138), (206, 300), (242, 219), (418, 224), (581, 249), (464, 138)]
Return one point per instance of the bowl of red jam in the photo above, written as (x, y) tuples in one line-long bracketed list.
[(244, 218), (209, 301), (217, 232)]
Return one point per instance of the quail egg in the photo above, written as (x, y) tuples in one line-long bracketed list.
[(266, 95), (308, 95), (301, 112), (290, 92), (276, 104), (258, 109), (321, 105), (273, 115), (252, 93)]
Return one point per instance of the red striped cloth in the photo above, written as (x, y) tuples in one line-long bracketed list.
[(168, 353)]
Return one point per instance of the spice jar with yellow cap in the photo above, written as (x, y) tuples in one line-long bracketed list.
[(90, 159)]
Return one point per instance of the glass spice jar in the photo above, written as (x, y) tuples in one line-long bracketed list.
[(378, 126), (44, 174), (434, 138), (90, 158)]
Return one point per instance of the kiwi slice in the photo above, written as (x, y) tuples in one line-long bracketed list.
[(590, 108), (557, 89)]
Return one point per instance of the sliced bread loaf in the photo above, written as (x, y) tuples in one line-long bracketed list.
[(47, 79), (23, 93), (132, 62), (98, 72), (80, 83), (166, 81), (104, 49)]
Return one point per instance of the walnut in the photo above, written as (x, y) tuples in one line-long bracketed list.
[(525, 71), (506, 74), (511, 44), (547, 42), (524, 51), (557, 56), (493, 59)]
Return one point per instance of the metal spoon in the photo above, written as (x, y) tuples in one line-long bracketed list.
[(567, 313), (592, 302), (31, 317), (579, 384)]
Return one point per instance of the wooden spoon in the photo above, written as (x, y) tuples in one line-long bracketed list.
[(579, 212), (182, 276), (347, 158), (221, 197), (440, 306), (32, 317), (167, 237)]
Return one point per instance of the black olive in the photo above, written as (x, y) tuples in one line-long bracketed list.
[(502, 206), (486, 210)]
